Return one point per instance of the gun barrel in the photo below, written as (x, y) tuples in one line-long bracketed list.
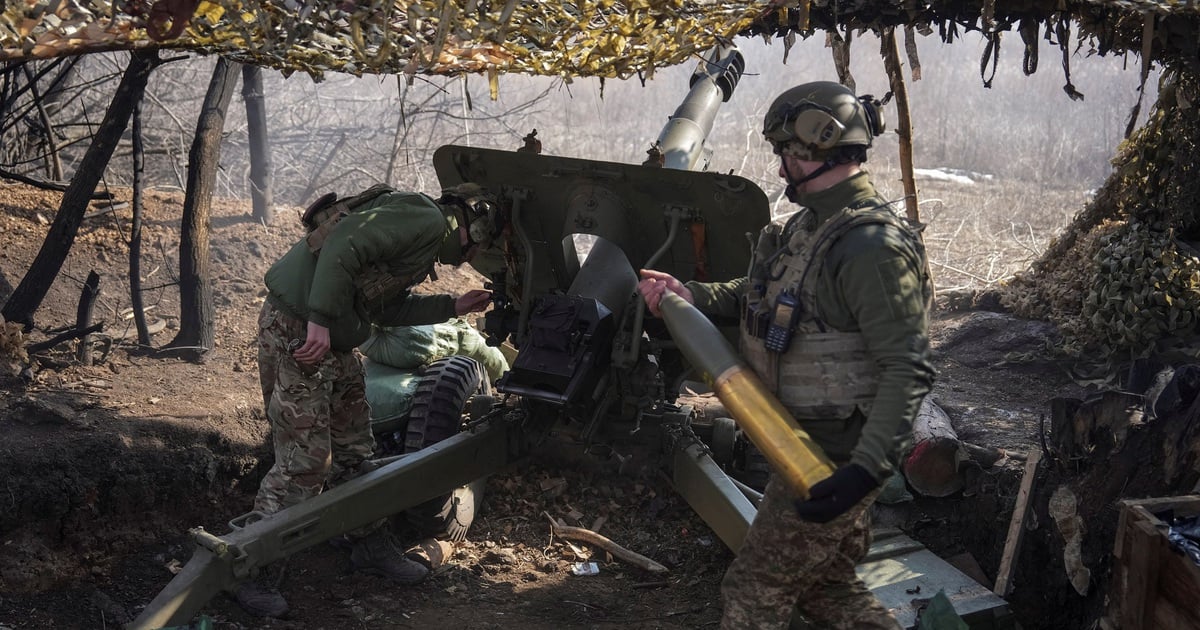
[(769, 425), (682, 139)]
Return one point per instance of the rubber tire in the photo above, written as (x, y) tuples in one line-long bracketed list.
[(439, 404)]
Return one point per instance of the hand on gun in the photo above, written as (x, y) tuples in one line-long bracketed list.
[(473, 301)]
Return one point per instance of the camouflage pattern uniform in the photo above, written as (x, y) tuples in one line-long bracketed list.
[(319, 413), (854, 377), (783, 555), (359, 276)]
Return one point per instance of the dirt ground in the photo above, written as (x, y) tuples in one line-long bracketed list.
[(105, 467)]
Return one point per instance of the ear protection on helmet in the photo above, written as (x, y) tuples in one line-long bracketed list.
[(873, 112), (479, 212), (816, 127), (816, 120), (813, 125), (484, 222)]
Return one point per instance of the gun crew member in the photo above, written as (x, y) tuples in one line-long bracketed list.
[(354, 269), (834, 320)]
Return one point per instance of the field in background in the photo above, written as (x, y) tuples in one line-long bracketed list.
[(1034, 152), (980, 234)]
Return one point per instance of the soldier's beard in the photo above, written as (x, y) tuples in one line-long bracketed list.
[(794, 183), (794, 191)]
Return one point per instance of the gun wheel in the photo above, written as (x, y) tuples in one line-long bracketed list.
[(439, 405), (749, 465)]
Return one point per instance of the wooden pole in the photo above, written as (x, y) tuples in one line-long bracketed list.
[(1016, 527), (891, 61)]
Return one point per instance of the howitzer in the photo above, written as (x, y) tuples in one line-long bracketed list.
[(589, 363)]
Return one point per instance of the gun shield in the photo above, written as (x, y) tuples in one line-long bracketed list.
[(769, 425)]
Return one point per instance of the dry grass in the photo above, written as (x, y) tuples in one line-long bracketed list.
[(977, 236)]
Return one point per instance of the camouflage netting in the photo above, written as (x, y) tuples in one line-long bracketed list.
[(606, 38), (1124, 279), (585, 38)]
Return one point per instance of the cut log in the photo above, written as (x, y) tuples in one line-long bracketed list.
[(931, 466)]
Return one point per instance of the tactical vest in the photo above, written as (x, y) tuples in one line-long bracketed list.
[(824, 374), (376, 284)]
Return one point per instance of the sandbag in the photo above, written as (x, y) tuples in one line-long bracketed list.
[(389, 390), (410, 347)]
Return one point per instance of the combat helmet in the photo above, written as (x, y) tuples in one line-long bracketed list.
[(823, 121), (468, 205)]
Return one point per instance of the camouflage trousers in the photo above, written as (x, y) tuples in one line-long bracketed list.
[(320, 421), (787, 563)]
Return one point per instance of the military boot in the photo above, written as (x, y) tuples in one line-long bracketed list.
[(378, 554), (260, 596)]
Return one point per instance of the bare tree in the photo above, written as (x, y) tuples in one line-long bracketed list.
[(261, 193), (31, 94), (135, 230), (28, 296), (196, 334)]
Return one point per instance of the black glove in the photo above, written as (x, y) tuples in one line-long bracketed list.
[(830, 498)]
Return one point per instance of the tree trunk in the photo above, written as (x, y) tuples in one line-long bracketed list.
[(196, 336), (29, 294), (261, 185), (135, 231), (83, 316)]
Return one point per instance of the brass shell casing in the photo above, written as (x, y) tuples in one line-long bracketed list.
[(793, 454)]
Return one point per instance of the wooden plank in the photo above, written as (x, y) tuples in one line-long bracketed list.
[(1184, 505), (1123, 516), (1016, 527), (1175, 616), (1153, 587), (1117, 588), (1178, 587), (1141, 575)]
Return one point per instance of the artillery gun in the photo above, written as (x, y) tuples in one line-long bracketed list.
[(564, 289), (590, 365)]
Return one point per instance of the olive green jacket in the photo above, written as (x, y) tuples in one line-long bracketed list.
[(871, 283), (398, 233)]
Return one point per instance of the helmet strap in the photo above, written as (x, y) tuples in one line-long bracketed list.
[(793, 191)]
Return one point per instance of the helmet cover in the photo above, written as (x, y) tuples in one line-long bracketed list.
[(814, 120)]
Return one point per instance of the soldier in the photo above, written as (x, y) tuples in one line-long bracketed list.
[(354, 269), (834, 320)]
